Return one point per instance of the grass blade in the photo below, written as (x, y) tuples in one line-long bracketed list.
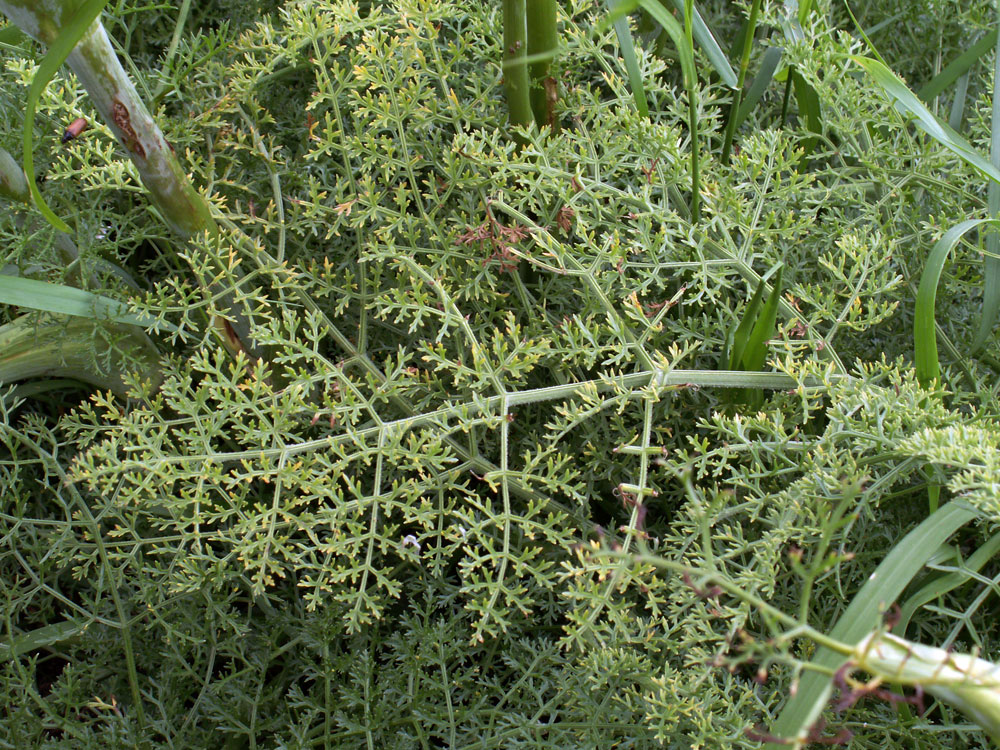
[(755, 353), (48, 635), (805, 8), (760, 83), (676, 32), (627, 47), (789, 21), (884, 586), (741, 335), (944, 584), (711, 48), (958, 67), (750, 340), (749, 30), (691, 84), (70, 33), (924, 334), (958, 105), (685, 52), (809, 111), (12, 35), (909, 104), (991, 263), (67, 300)]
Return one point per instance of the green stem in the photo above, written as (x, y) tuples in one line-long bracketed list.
[(542, 40), (515, 67), (692, 91), (96, 65), (786, 99), (182, 16), (65, 346), (751, 29)]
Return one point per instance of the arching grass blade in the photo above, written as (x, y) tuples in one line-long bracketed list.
[(942, 585), (908, 103), (884, 586), (924, 334)]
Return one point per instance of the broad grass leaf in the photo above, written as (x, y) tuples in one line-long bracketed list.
[(67, 300)]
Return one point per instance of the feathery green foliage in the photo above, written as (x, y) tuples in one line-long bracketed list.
[(492, 408)]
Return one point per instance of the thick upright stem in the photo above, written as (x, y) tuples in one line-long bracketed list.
[(515, 67), (542, 40), (94, 61), (96, 65)]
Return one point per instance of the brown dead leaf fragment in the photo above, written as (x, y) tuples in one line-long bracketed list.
[(564, 218)]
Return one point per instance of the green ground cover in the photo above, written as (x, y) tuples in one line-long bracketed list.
[(481, 375)]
